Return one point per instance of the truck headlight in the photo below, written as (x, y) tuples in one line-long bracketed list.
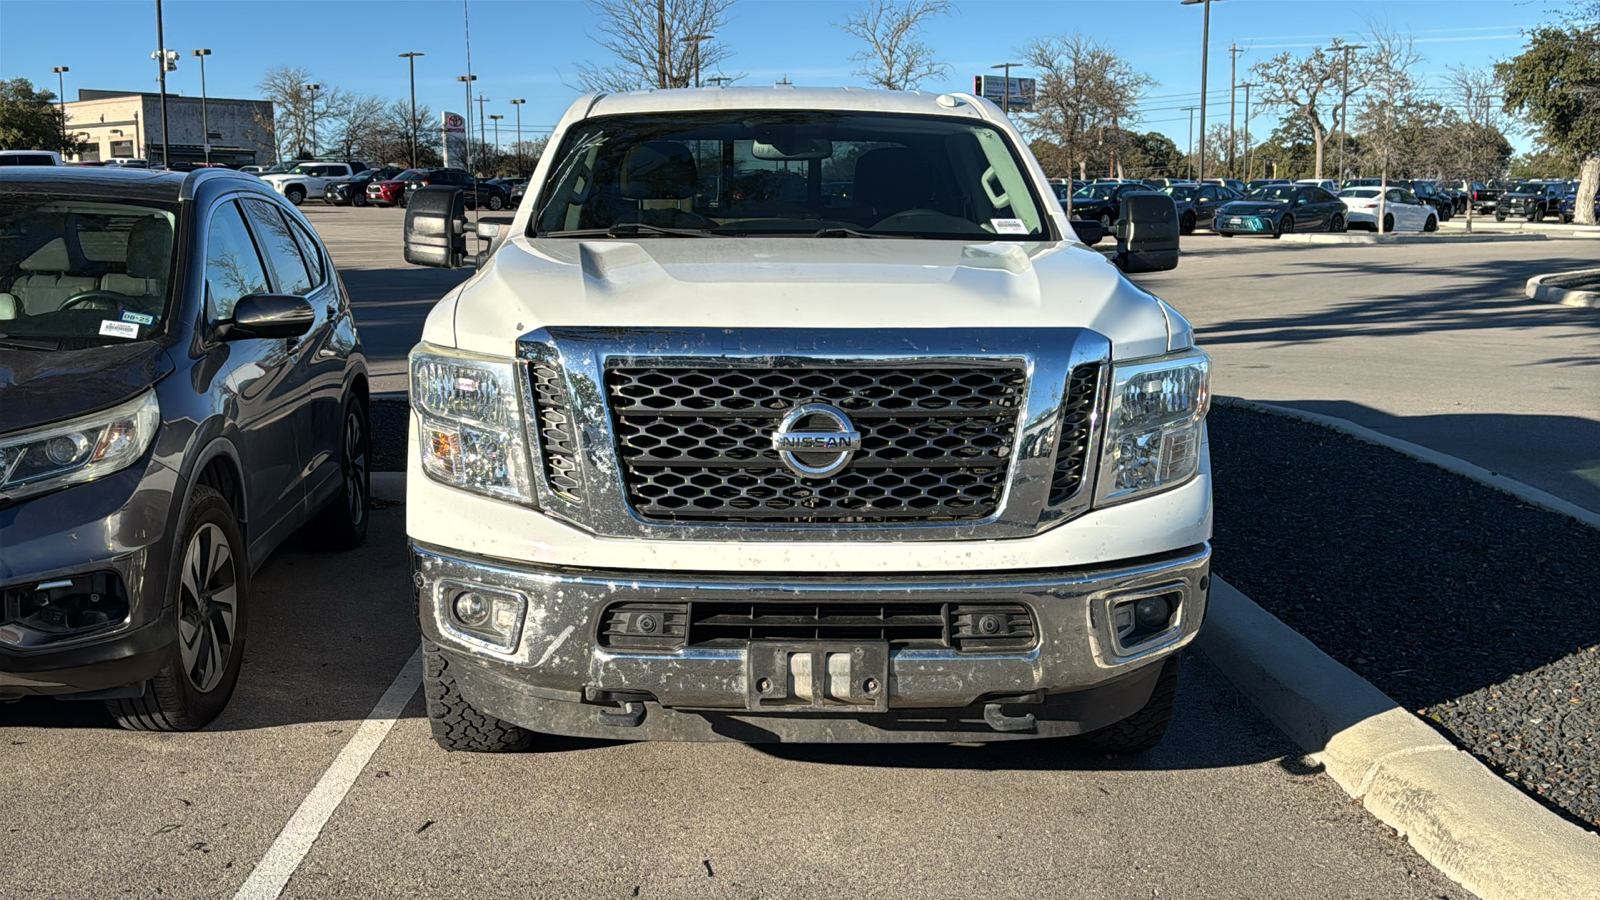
[(1153, 425), (78, 450), (470, 423)]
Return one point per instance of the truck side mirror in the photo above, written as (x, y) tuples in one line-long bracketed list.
[(436, 227), (1088, 230), (1147, 233)]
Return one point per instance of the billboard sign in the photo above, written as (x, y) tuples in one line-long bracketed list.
[(455, 140), (996, 88)]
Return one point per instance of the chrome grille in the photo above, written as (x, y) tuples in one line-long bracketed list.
[(695, 442), (1077, 427), (555, 430)]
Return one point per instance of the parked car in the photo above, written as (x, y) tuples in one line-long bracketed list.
[(392, 191), (1327, 184), (856, 510), (1263, 182), (1532, 201), (1198, 203), (1569, 205), (1401, 210), (30, 158), (354, 191), (311, 178), (253, 170), (476, 192), (1280, 209), (1232, 184), (1103, 201), (184, 389), (519, 190)]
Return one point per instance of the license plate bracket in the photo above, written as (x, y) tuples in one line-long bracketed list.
[(817, 676)]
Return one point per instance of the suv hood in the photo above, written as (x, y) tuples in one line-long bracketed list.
[(760, 282), (41, 387)]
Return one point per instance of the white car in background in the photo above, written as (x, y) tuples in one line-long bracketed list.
[(1327, 184), (1401, 210), (309, 179)]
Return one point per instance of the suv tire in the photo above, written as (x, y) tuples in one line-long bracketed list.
[(1145, 728), (295, 194), (172, 700), (457, 724), (342, 524), (495, 202)]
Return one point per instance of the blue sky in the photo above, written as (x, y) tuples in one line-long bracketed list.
[(530, 49)]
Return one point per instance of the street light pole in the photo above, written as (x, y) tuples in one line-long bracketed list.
[(495, 118), (205, 120), (1247, 86), (1205, 51), (518, 105), (411, 58), (61, 84), (1233, 103), (313, 88), (483, 133), (1190, 110), (466, 81), (1005, 90), (1344, 97)]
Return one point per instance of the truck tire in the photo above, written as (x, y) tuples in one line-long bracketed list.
[(456, 724), (188, 693), (1145, 728)]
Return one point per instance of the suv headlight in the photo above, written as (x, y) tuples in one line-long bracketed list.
[(470, 429), (1153, 425), (82, 449)]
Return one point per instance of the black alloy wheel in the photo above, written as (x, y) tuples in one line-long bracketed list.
[(1285, 226), (1388, 223), (342, 524), (1431, 225), (1537, 215), (1336, 224), (1186, 225)]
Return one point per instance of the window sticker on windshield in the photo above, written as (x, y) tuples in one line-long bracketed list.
[(138, 318), (113, 328), (1008, 226)]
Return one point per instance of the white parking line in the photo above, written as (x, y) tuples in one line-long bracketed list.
[(272, 874)]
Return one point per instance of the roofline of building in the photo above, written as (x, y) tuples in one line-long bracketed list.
[(124, 95)]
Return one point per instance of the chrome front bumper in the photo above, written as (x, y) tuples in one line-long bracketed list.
[(558, 658)]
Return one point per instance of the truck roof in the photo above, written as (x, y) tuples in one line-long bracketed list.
[(851, 99)]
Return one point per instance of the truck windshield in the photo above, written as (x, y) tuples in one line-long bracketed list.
[(789, 173), (79, 273)]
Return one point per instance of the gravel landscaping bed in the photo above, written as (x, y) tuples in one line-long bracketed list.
[(1468, 607)]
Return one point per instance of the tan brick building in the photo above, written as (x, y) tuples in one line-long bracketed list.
[(128, 124)]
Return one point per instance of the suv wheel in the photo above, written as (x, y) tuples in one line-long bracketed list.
[(1186, 226), (210, 589), (342, 524), (1537, 215), (457, 724), (1145, 728), (495, 201), (296, 195)]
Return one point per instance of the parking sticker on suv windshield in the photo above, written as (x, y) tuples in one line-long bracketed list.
[(138, 318), (1008, 226), (113, 328)]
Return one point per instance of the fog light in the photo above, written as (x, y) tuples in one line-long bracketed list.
[(484, 615), (472, 609), (1152, 612)]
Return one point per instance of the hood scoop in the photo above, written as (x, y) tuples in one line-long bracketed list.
[(614, 267)]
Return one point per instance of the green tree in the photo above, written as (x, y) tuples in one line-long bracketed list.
[(1546, 163), (31, 120), (1555, 84)]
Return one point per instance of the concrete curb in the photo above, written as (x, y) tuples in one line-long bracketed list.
[(1408, 238), (1554, 229), (1524, 492), (1539, 290), (389, 486), (1466, 821)]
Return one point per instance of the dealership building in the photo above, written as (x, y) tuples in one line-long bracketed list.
[(128, 124)]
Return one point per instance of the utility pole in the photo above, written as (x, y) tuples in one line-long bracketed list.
[(521, 172), (412, 59), (1205, 51), (693, 41), (467, 81), (1233, 102), (483, 134), (663, 57), (164, 61), (1247, 86), (312, 89), (1005, 90), (61, 84), (205, 119), (495, 118), (1344, 99), (1190, 110)]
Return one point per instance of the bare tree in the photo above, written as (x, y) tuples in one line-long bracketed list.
[(656, 43), (1084, 91), (357, 127), (289, 89), (896, 59), (1393, 114), (1475, 141)]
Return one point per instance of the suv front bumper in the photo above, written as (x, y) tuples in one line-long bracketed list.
[(558, 678)]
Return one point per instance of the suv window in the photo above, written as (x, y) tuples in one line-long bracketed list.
[(233, 269), (278, 246), (310, 250)]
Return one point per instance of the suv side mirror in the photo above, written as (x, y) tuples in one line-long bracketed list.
[(1147, 233), (436, 227), (268, 316)]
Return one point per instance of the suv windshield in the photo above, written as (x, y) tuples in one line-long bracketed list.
[(79, 272), (789, 173)]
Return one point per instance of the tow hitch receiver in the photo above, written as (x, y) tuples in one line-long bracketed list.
[(818, 677)]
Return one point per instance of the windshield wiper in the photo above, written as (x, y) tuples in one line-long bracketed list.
[(18, 343), (634, 229), (840, 231)]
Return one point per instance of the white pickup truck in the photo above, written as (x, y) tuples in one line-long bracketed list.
[(801, 415)]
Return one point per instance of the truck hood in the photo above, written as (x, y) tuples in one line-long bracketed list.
[(759, 282), (39, 387)]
